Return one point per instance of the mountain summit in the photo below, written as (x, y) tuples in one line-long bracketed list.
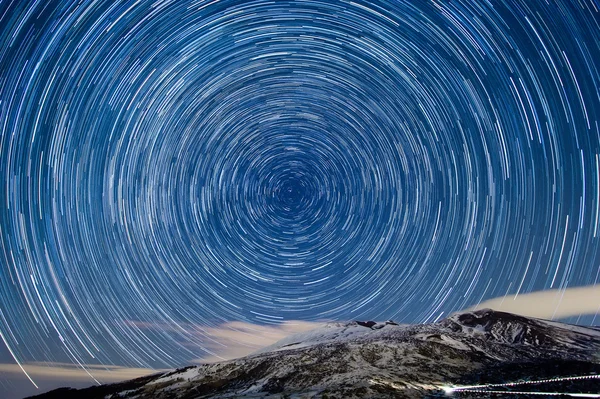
[(467, 354)]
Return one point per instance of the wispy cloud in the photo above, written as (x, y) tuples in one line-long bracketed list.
[(237, 339), (65, 371), (549, 304), (228, 340), (48, 376)]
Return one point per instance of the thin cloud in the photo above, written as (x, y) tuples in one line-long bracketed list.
[(237, 339), (229, 340), (49, 376), (549, 304), (64, 371), (226, 341)]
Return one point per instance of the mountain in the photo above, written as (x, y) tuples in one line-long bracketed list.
[(387, 360)]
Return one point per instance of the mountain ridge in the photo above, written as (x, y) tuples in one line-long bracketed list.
[(382, 360)]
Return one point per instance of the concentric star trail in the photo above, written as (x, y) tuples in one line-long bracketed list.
[(169, 165)]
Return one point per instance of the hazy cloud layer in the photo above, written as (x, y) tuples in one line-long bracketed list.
[(227, 341), (103, 373), (237, 339), (549, 304), (48, 376)]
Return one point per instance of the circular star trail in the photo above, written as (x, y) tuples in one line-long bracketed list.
[(173, 165)]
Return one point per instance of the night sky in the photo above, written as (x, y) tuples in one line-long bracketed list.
[(167, 167)]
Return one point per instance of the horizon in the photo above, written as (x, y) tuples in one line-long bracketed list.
[(234, 337)]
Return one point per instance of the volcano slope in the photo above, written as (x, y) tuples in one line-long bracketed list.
[(387, 360)]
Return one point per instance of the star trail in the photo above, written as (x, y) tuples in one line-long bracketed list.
[(169, 166)]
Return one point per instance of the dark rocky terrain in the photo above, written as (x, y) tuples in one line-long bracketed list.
[(387, 360)]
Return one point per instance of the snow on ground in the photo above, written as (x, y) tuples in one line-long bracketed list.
[(381, 356), (571, 327), (185, 375), (327, 333)]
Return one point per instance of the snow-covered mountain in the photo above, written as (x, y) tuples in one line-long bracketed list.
[(386, 360)]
